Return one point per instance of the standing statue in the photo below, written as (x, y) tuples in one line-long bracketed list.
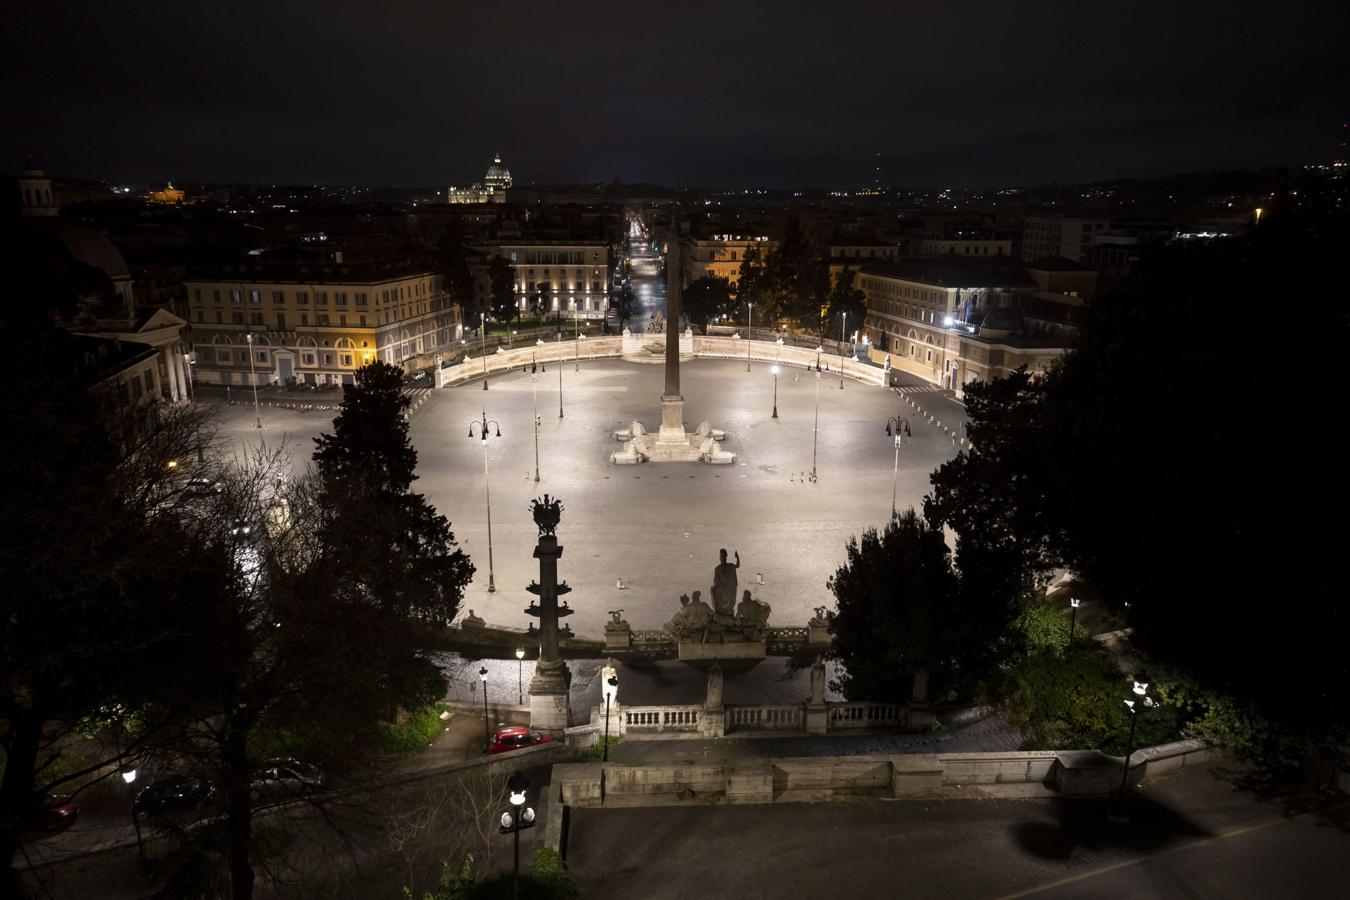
[(724, 585)]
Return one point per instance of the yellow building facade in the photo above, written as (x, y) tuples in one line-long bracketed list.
[(317, 324)]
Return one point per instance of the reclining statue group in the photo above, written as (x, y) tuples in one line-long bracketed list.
[(724, 621)]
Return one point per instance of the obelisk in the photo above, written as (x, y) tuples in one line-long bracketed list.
[(672, 403)]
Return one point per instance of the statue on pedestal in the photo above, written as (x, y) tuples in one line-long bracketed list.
[(752, 616), (724, 585)]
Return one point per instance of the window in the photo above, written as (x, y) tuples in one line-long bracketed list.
[(262, 356), (281, 321), (304, 318), (930, 356), (302, 298), (197, 295), (222, 356), (346, 359), (321, 298), (363, 319), (323, 318), (328, 359), (220, 318), (278, 297), (360, 299), (342, 319), (308, 358), (216, 294), (254, 296), (341, 298), (234, 297), (237, 318), (196, 315), (255, 318)]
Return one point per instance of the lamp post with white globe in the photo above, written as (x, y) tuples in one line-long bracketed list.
[(516, 819)]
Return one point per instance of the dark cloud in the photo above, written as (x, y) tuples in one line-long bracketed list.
[(721, 94)]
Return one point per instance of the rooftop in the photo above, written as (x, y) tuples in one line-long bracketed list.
[(955, 271)]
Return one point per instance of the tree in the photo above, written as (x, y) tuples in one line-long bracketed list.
[(626, 305), (454, 260), (845, 298), (305, 592), (501, 284), (898, 620), (708, 298)]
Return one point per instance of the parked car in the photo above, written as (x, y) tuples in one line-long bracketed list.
[(53, 813), (201, 486), (514, 737), (286, 777), (177, 793)]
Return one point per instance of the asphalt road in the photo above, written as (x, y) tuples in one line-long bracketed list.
[(1192, 836)]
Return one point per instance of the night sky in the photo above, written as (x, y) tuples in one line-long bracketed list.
[(783, 94)]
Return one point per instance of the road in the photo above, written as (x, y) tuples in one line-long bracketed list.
[(1192, 835), (649, 287)]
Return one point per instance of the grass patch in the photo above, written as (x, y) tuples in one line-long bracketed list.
[(419, 730), (591, 754)]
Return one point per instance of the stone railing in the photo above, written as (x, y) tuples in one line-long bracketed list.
[(789, 717), (868, 715), (711, 347), (652, 637), (657, 719)]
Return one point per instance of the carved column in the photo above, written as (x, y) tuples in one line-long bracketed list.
[(550, 710)]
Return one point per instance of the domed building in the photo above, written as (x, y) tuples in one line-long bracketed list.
[(492, 189)]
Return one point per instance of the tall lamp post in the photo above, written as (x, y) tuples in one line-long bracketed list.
[(534, 389), (1136, 706), (482, 332), (128, 774), (576, 323), (520, 676), (843, 323), (487, 484), (815, 430), (901, 426), (1074, 603), (253, 377), (775, 392), (611, 688), (487, 734), (516, 819), (749, 326), (560, 368)]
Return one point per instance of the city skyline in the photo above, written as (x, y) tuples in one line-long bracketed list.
[(815, 98)]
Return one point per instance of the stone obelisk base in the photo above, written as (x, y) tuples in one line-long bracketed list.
[(550, 706), (672, 421)]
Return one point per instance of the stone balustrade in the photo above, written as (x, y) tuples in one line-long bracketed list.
[(868, 715), (660, 719), (709, 347), (789, 717)]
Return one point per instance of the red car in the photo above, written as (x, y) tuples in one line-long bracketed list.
[(55, 812), (514, 737)]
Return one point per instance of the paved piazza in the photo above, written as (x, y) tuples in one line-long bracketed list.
[(657, 527)]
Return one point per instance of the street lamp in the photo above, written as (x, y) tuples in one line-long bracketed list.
[(487, 735), (128, 774), (487, 485), (534, 388), (515, 819), (815, 430), (576, 324), (611, 688), (843, 323), (253, 377), (520, 676), (901, 424), (482, 332), (1074, 603), (1141, 702), (775, 392), (749, 326)]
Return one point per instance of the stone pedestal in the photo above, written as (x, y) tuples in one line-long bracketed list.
[(817, 713), (550, 706), (817, 633), (714, 720), (618, 636), (672, 421)]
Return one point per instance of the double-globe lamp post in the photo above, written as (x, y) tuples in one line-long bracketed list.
[(843, 323), (482, 435), (611, 688), (487, 734), (515, 819), (1141, 701), (534, 389), (749, 326), (901, 431), (815, 429)]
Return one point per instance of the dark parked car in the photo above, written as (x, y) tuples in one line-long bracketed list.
[(515, 737), (286, 778), (177, 793), (53, 813)]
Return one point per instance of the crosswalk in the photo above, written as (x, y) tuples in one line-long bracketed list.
[(920, 389)]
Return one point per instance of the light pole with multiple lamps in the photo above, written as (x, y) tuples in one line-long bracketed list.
[(1141, 701), (1074, 603), (775, 392), (487, 734), (520, 676), (902, 431), (815, 430), (534, 389), (611, 688), (487, 484), (128, 773), (516, 819), (253, 377)]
